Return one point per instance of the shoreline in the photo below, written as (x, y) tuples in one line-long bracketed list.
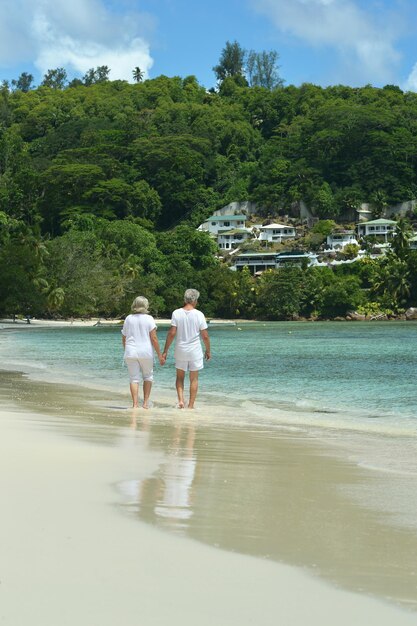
[(124, 449), (101, 322)]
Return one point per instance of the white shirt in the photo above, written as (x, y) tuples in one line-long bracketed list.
[(136, 329), (189, 323)]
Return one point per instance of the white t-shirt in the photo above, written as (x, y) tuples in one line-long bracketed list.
[(136, 329), (187, 343)]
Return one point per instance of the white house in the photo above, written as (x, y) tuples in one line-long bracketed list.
[(229, 239), (256, 261), (218, 223), (261, 261), (381, 227), (338, 239), (275, 233)]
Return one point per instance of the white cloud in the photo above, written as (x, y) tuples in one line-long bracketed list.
[(363, 42), (411, 82), (75, 34)]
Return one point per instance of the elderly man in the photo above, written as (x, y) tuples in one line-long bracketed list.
[(187, 325)]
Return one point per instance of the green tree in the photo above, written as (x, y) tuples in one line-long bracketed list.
[(378, 203), (324, 227), (138, 75), (351, 250), (56, 78), (341, 295), (64, 186), (401, 241), (96, 75), (20, 289), (24, 82), (75, 291), (231, 63), (390, 281), (279, 293), (262, 69), (324, 202)]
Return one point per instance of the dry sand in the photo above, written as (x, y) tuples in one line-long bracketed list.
[(71, 555)]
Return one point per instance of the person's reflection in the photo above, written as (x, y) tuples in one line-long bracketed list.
[(165, 498), (178, 475)]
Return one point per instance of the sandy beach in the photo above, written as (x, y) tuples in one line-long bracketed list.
[(89, 487)]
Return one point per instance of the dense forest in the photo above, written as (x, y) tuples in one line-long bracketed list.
[(102, 184)]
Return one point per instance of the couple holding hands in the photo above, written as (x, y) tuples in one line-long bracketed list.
[(139, 341)]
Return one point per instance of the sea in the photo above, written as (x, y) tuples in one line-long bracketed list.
[(351, 375)]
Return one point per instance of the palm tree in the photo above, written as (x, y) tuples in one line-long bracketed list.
[(138, 75), (403, 233), (131, 268), (56, 298), (378, 203)]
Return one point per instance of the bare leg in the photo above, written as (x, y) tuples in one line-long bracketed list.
[(134, 390), (179, 383), (147, 386), (193, 388)]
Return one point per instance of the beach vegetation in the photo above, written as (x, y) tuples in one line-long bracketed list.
[(103, 184)]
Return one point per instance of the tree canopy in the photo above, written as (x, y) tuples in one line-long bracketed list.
[(102, 184)]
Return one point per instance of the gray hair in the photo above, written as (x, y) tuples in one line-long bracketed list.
[(191, 296), (140, 305)]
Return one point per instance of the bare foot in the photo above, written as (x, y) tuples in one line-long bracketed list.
[(180, 405), (145, 405), (191, 406)]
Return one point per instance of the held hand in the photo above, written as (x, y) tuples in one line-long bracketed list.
[(162, 360)]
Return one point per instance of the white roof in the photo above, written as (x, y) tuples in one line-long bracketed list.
[(276, 226)]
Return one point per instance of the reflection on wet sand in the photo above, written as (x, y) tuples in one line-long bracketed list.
[(273, 496), (165, 498)]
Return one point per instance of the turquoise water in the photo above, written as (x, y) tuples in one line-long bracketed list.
[(356, 374)]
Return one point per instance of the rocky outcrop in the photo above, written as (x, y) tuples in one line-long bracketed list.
[(358, 317), (411, 313)]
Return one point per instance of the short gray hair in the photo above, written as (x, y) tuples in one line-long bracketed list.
[(191, 295), (140, 305)]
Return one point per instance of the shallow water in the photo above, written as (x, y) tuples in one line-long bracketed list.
[(352, 375)]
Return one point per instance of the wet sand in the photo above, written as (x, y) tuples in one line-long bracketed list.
[(88, 486)]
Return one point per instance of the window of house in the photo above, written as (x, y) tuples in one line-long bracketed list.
[(226, 223)]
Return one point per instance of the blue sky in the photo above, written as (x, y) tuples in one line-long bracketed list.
[(351, 42)]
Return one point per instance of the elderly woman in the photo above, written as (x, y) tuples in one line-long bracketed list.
[(139, 341)]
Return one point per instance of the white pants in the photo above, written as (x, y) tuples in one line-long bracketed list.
[(139, 366)]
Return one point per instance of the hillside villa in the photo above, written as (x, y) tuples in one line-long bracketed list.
[(260, 261), (229, 239), (230, 232), (220, 223), (338, 239), (381, 227), (276, 233)]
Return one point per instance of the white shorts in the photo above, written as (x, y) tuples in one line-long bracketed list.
[(138, 366), (190, 366)]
